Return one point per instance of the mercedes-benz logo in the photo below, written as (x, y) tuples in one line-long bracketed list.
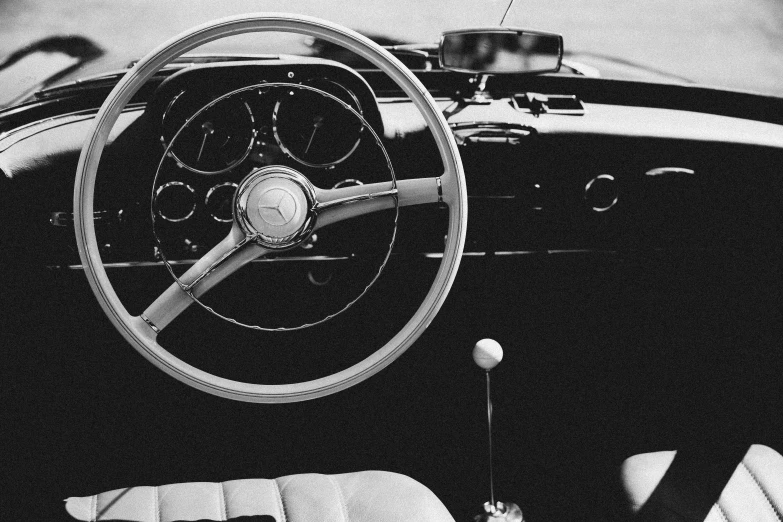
[(277, 206)]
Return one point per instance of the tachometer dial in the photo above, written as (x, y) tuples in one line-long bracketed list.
[(213, 141), (315, 129)]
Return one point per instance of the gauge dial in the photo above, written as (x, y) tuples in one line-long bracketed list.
[(315, 129), (212, 139), (220, 202)]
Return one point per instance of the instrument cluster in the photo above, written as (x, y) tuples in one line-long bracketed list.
[(306, 122), (213, 135)]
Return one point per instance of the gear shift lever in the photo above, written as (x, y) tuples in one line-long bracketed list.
[(487, 354)]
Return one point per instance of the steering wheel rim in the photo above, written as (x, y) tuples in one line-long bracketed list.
[(138, 332)]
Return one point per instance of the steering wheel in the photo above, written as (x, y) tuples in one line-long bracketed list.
[(251, 235)]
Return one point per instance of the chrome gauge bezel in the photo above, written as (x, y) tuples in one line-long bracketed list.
[(212, 191), (169, 185), (287, 151), (166, 144)]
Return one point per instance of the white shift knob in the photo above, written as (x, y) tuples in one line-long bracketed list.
[(487, 353)]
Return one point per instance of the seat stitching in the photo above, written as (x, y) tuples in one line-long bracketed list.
[(763, 491), (223, 507), (343, 505), (723, 515), (281, 503)]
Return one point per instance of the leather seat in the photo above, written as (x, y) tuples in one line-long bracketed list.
[(364, 496), (734, 485)]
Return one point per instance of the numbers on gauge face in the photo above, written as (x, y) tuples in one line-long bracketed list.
[(315, 129), (213, 141)]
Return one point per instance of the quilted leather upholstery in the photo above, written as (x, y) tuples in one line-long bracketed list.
[(372, 496), (658, 488)]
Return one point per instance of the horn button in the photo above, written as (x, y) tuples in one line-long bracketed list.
[(274, 205)]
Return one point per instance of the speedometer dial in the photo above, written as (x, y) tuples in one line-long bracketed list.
[(314, 128), (213, 141)]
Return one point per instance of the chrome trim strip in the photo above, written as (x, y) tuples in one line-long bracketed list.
[(509, 253), (669, 170), (319, 207), (150, 324), (187, 262), (327, 259)]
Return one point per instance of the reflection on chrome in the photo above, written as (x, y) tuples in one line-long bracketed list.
[(601, 193), (347, 183), (669, 170), (332, 259), (219, 202), (175, 201), (319, 207)]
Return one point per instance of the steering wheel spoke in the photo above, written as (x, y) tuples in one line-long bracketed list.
[(233, 252), (335, 205)]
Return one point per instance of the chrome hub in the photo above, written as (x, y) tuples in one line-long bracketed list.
[(278, 206), (274, 206)]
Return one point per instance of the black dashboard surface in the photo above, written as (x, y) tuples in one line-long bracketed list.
[(629, 259)]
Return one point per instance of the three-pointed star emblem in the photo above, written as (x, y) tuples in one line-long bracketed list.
[(277, 206)]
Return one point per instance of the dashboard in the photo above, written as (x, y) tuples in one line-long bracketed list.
[(571, 218), (592, 174)]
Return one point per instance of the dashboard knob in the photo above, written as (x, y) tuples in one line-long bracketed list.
[(601, 193), (487, 354)]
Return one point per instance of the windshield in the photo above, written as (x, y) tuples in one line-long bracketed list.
[(728, 43)]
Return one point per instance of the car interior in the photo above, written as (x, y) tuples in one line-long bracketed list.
[(381, 281)]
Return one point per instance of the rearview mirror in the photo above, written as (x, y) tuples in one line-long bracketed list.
[(500, 51)]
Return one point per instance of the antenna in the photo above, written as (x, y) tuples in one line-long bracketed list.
[(508, 8)]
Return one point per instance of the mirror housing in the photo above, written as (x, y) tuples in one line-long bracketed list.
[(500, 50)]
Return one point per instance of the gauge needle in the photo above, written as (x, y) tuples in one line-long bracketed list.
[(208, 129), (317, 122)]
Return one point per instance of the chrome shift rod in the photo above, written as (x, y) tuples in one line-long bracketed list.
[(487, 354), (489, 425)]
